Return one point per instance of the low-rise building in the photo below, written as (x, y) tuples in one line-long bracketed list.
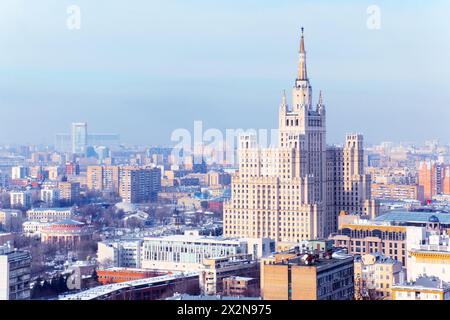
[(241, 287), (33, 228), (187, 252), (118, 275), (375, 275), (215, 270), (126, 253), (428, 251), (153, 288), (49, 214), (66, 232), (423, 288)]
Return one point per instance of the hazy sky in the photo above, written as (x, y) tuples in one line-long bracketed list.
[(143, 68)]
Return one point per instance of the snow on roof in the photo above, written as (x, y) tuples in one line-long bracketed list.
[(100, 291)]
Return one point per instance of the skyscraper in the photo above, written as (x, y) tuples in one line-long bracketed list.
[(295, 191), (79, 137)]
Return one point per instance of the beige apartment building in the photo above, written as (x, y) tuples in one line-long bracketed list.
[(101, 178), (375, 275), (360, 236), (69, 191), (139, 184), (397, 191), (134, 184), (295, 191), (289, 276)]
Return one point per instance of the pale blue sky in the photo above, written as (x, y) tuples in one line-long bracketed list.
[(143, 68)]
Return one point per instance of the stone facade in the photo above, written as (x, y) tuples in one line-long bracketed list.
[(295, 191)]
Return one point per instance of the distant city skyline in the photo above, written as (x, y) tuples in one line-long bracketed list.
[(132, 71)]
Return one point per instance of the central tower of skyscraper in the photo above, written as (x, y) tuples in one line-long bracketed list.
[(302, 126)]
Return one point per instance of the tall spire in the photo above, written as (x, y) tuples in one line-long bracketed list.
[(283, 99), (320, 106), (302, 74)]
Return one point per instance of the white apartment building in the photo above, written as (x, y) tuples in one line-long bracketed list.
[(428, 251), (20, 199), (423, 288), (125, 254), (50, 196), (49, 214), (177, 252), (33, 228), (15, 267), (187, 252), (19, 172)]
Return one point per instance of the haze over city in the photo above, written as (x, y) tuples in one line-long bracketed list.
[(241, 153), (144, 70)]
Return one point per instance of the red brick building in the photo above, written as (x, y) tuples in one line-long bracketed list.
[(117, 275)]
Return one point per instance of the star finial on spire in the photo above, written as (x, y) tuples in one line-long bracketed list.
[(302, 41)]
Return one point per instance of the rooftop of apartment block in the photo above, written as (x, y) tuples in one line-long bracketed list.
[(195, 238), (413, 217), (379, 258), (425, 282), (307, 258), (50, 209)]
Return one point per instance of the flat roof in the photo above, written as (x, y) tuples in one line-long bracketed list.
[(413, 216), (240, 278), (100, 291), (68, 222), (208, 297), (379, 258), (320, 262), (194, 238), (426, 283), (51, 209), (118, 269)]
